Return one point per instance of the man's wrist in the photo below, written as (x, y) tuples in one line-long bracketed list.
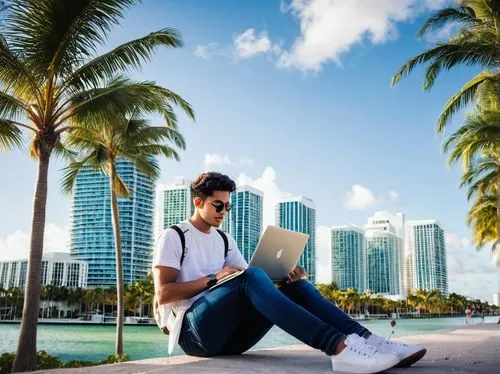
[(211, 280)]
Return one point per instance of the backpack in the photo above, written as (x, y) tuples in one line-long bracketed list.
[(164, 314)]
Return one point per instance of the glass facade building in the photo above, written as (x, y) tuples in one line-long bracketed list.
[(426, 260), (244, 221), (91, 233), (384, 261), (299, 214), (175, 203), (348, 257)]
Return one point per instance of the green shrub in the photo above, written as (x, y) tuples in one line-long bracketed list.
[(113, 359), (46, 361), (6, 361)]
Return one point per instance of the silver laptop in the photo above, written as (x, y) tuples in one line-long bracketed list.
[(278, 251)]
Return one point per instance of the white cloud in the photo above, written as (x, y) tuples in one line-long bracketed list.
[(17, 244), (208, 51), (470, 272), (454, 241), (329, 28), (442, 34), (360, 197), (246, 161), (248, 44), (212, 159), (272, 193)]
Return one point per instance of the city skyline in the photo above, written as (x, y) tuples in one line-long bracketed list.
[(330, 127)]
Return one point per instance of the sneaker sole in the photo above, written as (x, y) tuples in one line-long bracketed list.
[(348, 370), (410, 360)]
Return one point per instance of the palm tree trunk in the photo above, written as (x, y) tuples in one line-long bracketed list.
[(119, 264), (497, 243), (26, 347)]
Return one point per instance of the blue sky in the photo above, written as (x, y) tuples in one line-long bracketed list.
[(295, 98)]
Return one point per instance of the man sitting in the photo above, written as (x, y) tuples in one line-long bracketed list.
[(233, 317)]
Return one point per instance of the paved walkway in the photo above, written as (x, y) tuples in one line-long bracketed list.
[(472, 349)]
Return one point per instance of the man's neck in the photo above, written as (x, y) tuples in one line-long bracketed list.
[(200, 223)]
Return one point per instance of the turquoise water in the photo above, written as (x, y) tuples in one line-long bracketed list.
[(76, 342)]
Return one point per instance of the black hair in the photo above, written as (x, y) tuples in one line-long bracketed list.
[(207, 183)]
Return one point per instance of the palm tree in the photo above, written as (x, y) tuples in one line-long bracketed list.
[(102, 146), (475, 44), (477, 144), (144, 292), (75, 297), (456, 302), (365, 299), (50, 81), (415, 300), (349, 300)]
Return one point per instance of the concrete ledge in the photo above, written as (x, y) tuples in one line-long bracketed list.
[(472, 349)]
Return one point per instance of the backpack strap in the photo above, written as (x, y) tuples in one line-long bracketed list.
[(226, 242), (183, 240)]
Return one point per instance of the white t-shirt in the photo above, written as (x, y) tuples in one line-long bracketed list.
[(204, 255)]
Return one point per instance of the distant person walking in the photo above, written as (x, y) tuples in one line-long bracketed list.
[(468, 316)]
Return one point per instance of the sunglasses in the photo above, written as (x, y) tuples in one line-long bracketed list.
[(219, 206)]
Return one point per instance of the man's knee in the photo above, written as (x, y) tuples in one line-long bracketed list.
[(303, 285), (256, 273)]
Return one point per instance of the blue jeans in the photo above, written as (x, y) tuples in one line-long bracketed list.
[(233, 317)]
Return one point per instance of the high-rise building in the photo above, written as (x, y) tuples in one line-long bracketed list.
[(299, 214), (91, 234), (348, 257), (174, 203), (244, 221), (496, 299), (426, 257), (384, 248), (58, 269)]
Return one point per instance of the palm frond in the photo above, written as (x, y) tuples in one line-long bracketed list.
[(156, 134), (11, 107), (56, 35), (431, 73), (482, 217), (63, 152), (15, 76), (125, 97), (461, 51), (10, 135), (150, 150), (146, 165), (70, 173), (462, 98), (129, 55), (462, 14), (120, 187), (481, 185)]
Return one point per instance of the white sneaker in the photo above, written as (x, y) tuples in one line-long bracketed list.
[(359, 357), (408, 354)]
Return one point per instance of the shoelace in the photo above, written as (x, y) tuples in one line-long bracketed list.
[(391, 343), (358, 345)]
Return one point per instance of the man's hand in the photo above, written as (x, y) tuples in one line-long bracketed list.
[(228, 270), (297, 274)]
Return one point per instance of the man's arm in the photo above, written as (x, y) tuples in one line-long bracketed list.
[(168, 290)]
